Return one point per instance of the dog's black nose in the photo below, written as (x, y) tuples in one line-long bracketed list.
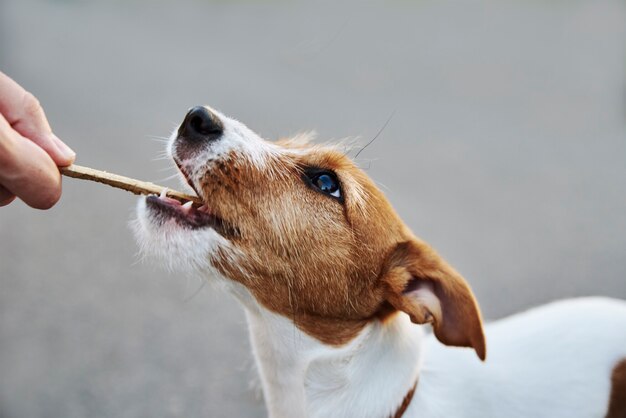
[(201, 124)]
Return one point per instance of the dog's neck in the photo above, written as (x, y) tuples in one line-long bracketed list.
[(304, 377)]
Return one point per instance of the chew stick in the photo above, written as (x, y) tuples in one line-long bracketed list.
[(124, 183)]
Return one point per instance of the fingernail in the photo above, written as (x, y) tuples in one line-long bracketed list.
[(65, 151)]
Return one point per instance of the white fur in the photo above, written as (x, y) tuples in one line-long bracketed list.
[(178, 248), (552, 361), (303, 377)]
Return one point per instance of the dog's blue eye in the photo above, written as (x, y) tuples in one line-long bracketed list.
[(327, 183)]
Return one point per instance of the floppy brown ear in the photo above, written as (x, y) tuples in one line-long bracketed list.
[(423, 285)]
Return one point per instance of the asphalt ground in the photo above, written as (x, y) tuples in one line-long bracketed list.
[(506, 151)]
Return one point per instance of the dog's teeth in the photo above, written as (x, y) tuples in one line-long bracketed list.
[(163, 193), (187, 206)]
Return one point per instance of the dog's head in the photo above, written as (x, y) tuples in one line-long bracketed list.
[(306, 232)]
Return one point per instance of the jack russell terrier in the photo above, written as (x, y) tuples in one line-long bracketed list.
[(332, 282)]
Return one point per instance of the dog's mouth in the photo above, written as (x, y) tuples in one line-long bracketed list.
[(189, 214)]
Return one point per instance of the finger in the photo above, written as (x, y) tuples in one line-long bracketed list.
[(26, 170), (70, 155), (24, 113), (6, 196)]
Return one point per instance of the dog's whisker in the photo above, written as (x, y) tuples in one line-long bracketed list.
[(196, 292), (158, 138), (168, 178), (380, 131), (161, 158)]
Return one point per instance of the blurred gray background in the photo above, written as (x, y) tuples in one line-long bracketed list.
[(507, 152)]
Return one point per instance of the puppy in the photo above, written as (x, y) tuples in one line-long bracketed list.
[(332, 283)]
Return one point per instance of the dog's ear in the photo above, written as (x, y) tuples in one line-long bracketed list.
[(423, 285)]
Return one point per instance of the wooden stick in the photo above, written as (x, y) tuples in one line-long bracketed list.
[(124, 183)]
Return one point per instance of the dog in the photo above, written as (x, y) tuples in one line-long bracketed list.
[(333, 284)]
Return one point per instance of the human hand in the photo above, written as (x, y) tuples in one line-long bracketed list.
[(29, 152)]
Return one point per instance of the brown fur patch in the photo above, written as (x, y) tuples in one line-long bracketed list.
[(430, 291), (319, 261), (617, 401)]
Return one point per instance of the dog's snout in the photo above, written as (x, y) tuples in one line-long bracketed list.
[(201, 124)]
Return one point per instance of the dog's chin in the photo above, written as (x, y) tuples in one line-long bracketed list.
[(182, 243)]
